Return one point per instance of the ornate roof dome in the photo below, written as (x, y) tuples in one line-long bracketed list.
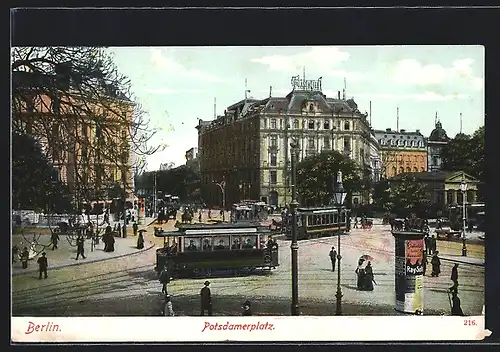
[(438, 134)]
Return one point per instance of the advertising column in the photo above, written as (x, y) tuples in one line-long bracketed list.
[(409, 271), (141, 212)]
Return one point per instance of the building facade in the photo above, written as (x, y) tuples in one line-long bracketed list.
[(401, 151), (437, 140), (249, 146), (192, 159), (88, 144)]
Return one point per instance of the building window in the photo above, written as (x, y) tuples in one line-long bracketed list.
[(273, 159), (296, 124), (415, 169), (264, 123), (408, 169), (401, 170), (310, 125), (394, 171), (435, 161), (274, 141), (326, 125), (281, 123), (326, 142), (347, 145), (273, 123), (346, 125), (273, 177), (310, 143)]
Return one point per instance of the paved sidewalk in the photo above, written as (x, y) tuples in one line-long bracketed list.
[(65, 254), (463, 260)]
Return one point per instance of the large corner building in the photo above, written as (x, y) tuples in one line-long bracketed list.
[(249, 146)]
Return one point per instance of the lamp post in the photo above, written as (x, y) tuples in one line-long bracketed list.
[(463, 188), (222, 186), (294, 246), (339, 195)]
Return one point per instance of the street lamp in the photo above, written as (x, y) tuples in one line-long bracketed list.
[(294, 246), (463, 188), (222, 186), (339, 195)]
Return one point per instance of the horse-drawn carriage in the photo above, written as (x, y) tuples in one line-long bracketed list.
[(444, 229), (366, 224)]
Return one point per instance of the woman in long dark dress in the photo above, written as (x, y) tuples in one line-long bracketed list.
[(368, 277), (140, 240), (360, 272)]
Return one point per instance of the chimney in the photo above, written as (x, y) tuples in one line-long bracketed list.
[(338, 94), (402, 131), (418, 131), (388, 130)]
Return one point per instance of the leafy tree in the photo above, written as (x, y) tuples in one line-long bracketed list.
[(465, 152), (408, 196), (315, 177), (34, 182), (382, 196)]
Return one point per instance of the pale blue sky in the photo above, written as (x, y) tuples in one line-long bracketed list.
[(177, 85)]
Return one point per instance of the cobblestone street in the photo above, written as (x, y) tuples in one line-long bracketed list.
[(129, 286)]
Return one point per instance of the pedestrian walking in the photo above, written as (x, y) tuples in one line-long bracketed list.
[(427, 242), (333, 257), (369, 280), (80, 248), (433, 243), (356, 222), (135, 228), (24, 257), (140, 240), (54, 239), (209, 214), (454, 278), (456, 308), (164, 279), (436, 265), (42, 266), (206, 299), (247, 311)]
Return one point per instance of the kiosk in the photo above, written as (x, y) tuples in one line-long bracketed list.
[(409, 250)]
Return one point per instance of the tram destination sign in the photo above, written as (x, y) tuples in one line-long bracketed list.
[(306, 84)]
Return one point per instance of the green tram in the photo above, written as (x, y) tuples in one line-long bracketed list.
[(317, 222), (200, 249)]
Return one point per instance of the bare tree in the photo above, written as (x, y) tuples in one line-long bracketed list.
[(78, 105)]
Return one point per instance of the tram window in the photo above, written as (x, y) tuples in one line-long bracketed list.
[(236, 242), (207, 244), (324, 220), (335, 218), (221, 242), (192, 244), (309, 220), (249, 241), (330, 219)]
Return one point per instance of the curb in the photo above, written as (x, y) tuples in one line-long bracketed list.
[(461, 261), (152, 244), (87, 262)]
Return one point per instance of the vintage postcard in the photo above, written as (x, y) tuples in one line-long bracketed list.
[(244, 193)]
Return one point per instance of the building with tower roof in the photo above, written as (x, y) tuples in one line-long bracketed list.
[(249, 145), (437, 140)]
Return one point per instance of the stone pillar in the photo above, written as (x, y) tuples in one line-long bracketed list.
[(445, 197), (454, 197)]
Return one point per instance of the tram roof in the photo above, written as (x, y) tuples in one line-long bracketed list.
[(218, 228), (320, 210)]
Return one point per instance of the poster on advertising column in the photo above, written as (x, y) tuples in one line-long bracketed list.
[(408, 272)]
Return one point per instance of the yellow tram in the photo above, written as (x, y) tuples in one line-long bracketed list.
[(200, 249)]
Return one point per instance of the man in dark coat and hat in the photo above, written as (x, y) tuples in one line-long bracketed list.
[(54, 238), (206, 299), (80, 248), (454, 278), (436, 264), (42, 266), (333, 257), (369, 277)]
